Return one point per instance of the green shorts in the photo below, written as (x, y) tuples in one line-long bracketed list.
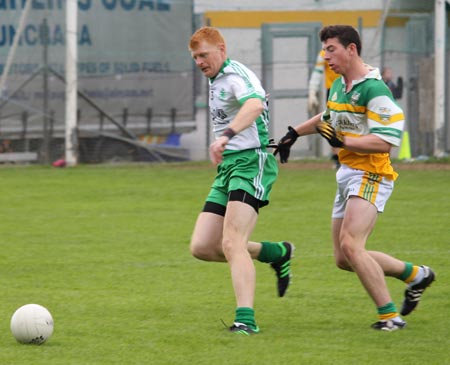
[(253, 171)]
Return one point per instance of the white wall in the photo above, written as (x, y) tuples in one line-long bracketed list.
[(201, 6), (244, 44)]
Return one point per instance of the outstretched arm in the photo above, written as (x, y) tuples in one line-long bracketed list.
[(303, 129), (370, 143), (309, 126)]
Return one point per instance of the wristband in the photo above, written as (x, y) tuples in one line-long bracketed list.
[(228, 132)]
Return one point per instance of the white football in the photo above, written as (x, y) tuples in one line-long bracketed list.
[(32, 323)]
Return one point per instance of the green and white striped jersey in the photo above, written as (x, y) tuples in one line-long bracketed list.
[(233, 85), (368, 108)]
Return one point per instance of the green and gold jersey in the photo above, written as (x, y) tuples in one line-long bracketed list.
[(233, 85), (368, 108)]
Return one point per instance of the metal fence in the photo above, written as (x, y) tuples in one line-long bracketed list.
[(135, 80), (410, 50)]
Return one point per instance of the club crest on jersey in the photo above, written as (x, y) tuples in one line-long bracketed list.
[(222, 94), (354, 98), (334, 97), (385, 114)]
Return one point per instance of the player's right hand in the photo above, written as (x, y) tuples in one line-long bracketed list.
[(334, 138), (285, 143), (216, 150)]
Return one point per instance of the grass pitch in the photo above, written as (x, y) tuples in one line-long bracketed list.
[(105, 249)]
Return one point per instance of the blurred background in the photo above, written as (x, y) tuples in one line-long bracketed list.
[(135, 94)]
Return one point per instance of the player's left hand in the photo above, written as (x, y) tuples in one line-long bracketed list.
[(285, 143), (334, 138)]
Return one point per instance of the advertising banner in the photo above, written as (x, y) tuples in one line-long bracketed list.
[(132, 54)]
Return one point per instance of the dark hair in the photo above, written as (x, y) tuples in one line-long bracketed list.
[(346, 34)]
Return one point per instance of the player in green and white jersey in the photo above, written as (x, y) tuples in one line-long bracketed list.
[(246, 172), (363, 120)]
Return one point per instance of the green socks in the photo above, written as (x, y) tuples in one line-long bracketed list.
[(388, 311), (271, 252), (246, 316), (407, 272), (411, 274)]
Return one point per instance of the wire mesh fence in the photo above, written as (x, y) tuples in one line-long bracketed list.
[(134, 74), (137, 86)]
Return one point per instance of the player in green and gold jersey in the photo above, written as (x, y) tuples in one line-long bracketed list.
[(363, 120)]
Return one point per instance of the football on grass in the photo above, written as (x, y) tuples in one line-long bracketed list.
[(32, 324)]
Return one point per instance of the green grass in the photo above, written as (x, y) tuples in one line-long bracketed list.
[(105, 249)]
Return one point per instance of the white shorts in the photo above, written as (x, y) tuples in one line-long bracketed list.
[(374, 188)]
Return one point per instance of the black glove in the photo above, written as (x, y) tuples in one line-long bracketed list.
[(326, 130), (285, 143)]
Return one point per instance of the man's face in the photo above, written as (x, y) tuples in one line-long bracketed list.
[(387, 74), (337, 56), (209, 58)]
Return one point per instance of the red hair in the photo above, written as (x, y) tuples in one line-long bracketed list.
[(209, 34)]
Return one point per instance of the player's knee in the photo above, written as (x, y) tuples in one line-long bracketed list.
[(227, 248), (342, 264), (202, 251), (234, 248), (352, 254), (197, 251), (343, 257), (348, 250)]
